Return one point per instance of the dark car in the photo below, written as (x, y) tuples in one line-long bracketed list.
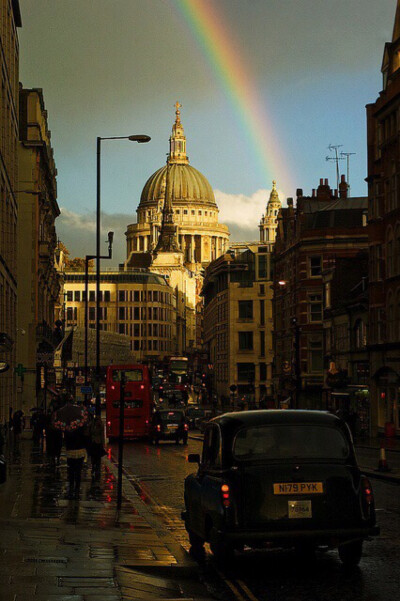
[(167, 424), (194, 413), (278, 478)]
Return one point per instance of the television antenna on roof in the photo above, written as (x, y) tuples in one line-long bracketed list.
[(347, 156), (334, 148)]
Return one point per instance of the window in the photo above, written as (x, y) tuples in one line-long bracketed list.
[(100, 296), (121, 328), (69, 314), (262, 343), (69, 296), (77, 296), (155, 296), (315, 266), (136, 330), (121, 313), (83, 295), (246, 309), (185, 212), (92, 296), (107, 296), (121, 295), (262, 288), (360, 334), (92, 313), (315, 307), (263, 372), (262, 312), (262, 266), (246, 372), (211, 446), (245, 341), (136, 313), (136, 296), (193, 212), (103, 313), (316, 359)]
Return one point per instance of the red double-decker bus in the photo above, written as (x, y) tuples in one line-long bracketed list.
[(138, 400)]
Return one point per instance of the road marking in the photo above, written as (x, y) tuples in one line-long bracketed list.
[(230, 584), (246, 589)]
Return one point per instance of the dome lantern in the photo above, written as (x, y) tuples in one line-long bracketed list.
[(177, 141)]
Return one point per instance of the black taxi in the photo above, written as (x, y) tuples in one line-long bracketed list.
[(285, 478)]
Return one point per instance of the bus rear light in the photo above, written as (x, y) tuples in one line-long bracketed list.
[(142, 386), (158, 428), (108, 424), (112, 387), (147, 422), (225, 492)]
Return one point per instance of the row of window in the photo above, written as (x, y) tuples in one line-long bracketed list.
[(246, 341), (144, 330), (125, 313), (151, 345), (135, 296), (246, 372)]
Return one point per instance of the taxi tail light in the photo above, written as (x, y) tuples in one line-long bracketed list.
[(158, 428), (225, 493), (186, 427), (108, 424), (367, 491)]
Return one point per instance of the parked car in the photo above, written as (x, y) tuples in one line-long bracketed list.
[(283, 478), (167, 424), (193, 413)]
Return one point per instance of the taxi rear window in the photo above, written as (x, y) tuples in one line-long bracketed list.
[(171, 416), (290, 442)]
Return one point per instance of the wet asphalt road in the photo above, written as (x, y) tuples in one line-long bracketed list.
[(276, 575)]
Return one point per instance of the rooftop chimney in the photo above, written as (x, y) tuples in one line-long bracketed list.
[(290, 202), (343, 187), (299, 192)]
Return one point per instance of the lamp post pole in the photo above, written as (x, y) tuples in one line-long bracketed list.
[(140, 138)]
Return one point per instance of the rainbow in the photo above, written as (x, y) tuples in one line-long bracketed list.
[(234, 76)]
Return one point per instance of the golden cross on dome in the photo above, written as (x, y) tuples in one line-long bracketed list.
[(177, 105)]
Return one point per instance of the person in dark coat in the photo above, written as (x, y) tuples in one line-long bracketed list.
[(17, 423), (73, 420), (96, 445), (54, 439)]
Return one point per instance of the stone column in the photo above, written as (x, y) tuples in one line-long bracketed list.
[(192, 249)]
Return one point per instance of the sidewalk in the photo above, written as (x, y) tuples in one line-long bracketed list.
[(53, 549)]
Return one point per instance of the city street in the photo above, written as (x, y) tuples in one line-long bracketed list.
[(158, 474)]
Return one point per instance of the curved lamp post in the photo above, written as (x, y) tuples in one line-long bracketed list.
[(141, 139)]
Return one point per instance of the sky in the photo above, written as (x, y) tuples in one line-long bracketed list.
[(265, 86)]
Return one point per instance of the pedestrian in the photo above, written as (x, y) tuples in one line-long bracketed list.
[(54, 439), (17, 423), (96, 445), (72, 420)]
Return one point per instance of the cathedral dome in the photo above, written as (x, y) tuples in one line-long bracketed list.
[(187, 185)]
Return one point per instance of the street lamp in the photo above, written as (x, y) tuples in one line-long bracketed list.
[(141, 139)]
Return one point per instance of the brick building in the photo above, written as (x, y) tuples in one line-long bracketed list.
[(311, 236), (383, 127)]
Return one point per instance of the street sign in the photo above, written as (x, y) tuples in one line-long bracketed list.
[(86, 390), (20, 370)]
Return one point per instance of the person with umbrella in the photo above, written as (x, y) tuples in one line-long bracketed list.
[(72, 420)]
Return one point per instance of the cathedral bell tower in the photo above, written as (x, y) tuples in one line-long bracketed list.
[(269, 221)]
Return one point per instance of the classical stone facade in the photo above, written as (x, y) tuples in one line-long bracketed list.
[(201, 238), (38, 278), (10, 19), (238, 323), (139, 304), (383, 127)]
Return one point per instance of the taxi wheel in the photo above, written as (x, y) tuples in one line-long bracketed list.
[(223, 553), (351, 553)]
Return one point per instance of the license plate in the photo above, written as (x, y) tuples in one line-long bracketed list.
[(299, 509), (172, 427), (298, 488)]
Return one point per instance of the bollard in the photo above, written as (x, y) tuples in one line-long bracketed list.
[(383, 464)]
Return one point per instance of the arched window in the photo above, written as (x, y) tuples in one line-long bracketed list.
[(397, 249), (389, 253), (397, 317), (390, 317)]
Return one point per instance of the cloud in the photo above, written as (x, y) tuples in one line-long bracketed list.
[(242, 213), (77, 231)]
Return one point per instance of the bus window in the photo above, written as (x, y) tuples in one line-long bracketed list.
[(131, 375)]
